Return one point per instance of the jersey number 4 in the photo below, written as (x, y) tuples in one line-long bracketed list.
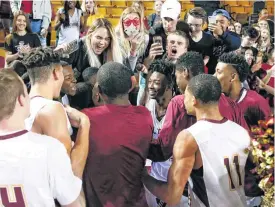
[(237, 166)]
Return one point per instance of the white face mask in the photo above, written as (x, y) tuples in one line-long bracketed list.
[(131, 31)]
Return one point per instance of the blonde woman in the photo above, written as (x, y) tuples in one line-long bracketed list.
[(264, 42), (96, 48), (133, 42), (139, 5), (90, 12)]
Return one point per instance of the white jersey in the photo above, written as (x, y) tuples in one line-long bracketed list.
[(34, 170), (220, 182), (159, 170), (36, 104)]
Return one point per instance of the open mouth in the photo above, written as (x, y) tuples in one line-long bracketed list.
[(174, 51)]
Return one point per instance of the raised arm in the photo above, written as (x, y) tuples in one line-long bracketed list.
[(183, 161)]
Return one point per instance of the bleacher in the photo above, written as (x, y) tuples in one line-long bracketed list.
[(112, 10)]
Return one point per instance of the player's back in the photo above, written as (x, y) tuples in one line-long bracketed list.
[(28, 162), (219, 182)]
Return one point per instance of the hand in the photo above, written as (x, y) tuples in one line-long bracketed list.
[(25, 49), (44, 32), (260, 83), (156, 49), (76, 117), (135, 42), (271, 71), (216, 29)]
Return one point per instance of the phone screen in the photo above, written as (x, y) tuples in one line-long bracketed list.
[(212, 20), (157, 39)]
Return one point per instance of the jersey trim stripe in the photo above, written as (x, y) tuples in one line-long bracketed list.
[(216, 121), (13, 135)]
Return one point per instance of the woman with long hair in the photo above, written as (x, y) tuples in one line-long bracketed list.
[(133, 42), (21, 40), (96, 48), (69, 22), (139, 5), (90, 13), (264, 42), (238, 28)]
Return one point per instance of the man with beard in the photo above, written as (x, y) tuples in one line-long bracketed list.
[(160, 94), (49, 117), (210, 154)]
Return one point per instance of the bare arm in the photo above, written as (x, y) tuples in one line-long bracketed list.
[(11, 57), (183, 161), (57, 21), (266, 79)]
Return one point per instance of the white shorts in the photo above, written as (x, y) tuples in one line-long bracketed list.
[(152, 200)]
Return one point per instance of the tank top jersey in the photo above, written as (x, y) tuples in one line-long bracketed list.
[(30, 172), (159, 170), (220, 182), (36, 104)]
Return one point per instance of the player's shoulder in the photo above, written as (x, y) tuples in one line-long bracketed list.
[(52, 108), (253, 96), (178, 101)]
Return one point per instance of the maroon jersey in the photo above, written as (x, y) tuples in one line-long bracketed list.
[(177, 119), (119, 141), (250, 98)]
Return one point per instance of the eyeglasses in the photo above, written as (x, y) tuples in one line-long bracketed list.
[(195, 25)]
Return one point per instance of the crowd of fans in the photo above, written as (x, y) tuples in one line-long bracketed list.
[(112, 95)]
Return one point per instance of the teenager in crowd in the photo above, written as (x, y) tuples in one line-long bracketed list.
[(155, 19), (238, 28), (21, 39)]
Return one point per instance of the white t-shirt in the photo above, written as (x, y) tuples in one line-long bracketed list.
[(35, 169), (71, 32)]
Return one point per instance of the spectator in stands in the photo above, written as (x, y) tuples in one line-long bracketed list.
[(263, 24), (21, 40), (90, 12), (98, 47), (131, 35), (39, 13), (5, 16), (263, 15), (231, 28), (238, 28), (133, 42), (264, 43), (69, 22), (139, 5), (249, 36), (170, 14), (155, 19), (200, 41), (224, 40)]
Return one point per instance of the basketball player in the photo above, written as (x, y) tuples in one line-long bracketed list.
[(231, 71), (188, 66), (49, 117), (35, 169), (119, 143), (160, 94), (207, 152)]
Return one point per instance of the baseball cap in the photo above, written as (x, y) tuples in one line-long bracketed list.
[(171, 9), (222, 12)]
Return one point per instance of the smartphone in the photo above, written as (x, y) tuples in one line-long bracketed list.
[(157, 39), (212, 20)]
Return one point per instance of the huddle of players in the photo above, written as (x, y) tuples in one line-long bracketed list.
[(198, 129)]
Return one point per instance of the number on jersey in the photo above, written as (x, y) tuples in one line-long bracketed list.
[(237, 166), (12, 196)]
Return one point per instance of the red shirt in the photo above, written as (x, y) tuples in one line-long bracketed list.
[(26, 6), (119, 141), (176, 120), (250, 98)]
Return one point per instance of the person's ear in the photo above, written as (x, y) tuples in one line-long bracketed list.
[(21, 100), (56, 74), (234, 77)]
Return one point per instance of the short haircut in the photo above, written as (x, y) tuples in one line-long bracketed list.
[(182, 34), (238, 62), (184, 27), (197, 12), (11, 87), (164, 67), (64, 63), (114, 79), (192, 62), (40, 63), (206, 88), (88, 73), (250, 31)]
